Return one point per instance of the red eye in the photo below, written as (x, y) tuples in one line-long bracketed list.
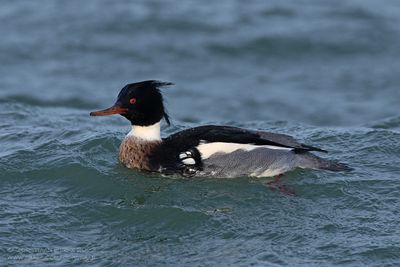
[(132, 101)]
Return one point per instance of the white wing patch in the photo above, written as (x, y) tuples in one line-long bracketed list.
[(187, 158), (185, 155), (208, 149), (189, 161)]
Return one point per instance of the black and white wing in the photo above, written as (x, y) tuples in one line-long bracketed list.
[(226, 134)]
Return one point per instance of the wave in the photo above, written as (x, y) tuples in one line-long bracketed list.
[(72, 102), (388, 123), (284, 46)]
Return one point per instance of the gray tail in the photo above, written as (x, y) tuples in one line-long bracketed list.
[(310, 161)]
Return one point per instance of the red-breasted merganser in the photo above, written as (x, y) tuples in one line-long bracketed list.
[(217, 151)]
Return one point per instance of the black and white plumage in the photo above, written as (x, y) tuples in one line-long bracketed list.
[(220, 151)]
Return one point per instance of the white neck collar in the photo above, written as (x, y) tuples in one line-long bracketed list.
[(148, 133)]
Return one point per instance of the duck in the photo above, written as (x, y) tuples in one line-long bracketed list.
[(204, 151)]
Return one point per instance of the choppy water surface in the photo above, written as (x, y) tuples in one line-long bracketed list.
[(327, 73)]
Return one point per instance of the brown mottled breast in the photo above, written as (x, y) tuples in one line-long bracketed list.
[(135, 153)]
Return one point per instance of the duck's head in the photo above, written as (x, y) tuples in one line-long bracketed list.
[(141, 103)]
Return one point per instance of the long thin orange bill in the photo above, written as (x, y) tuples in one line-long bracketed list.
[(109, 111)]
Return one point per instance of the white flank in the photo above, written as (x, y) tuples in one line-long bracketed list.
[(209, 149), (148, 133)]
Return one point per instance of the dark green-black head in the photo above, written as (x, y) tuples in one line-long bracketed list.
[(141, 103)]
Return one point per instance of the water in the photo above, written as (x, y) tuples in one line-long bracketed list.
[(325, 72)]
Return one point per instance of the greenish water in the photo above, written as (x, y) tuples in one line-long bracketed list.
[(324, 72)]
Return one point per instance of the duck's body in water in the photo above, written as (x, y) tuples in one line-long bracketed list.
[(213, 151)]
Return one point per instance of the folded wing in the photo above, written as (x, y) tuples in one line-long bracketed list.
[(226, 134)]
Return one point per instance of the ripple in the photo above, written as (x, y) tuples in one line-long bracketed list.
[(285, 47), (356, 14), (73, 102), (389, 123), (65, 199), (279, 12)]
